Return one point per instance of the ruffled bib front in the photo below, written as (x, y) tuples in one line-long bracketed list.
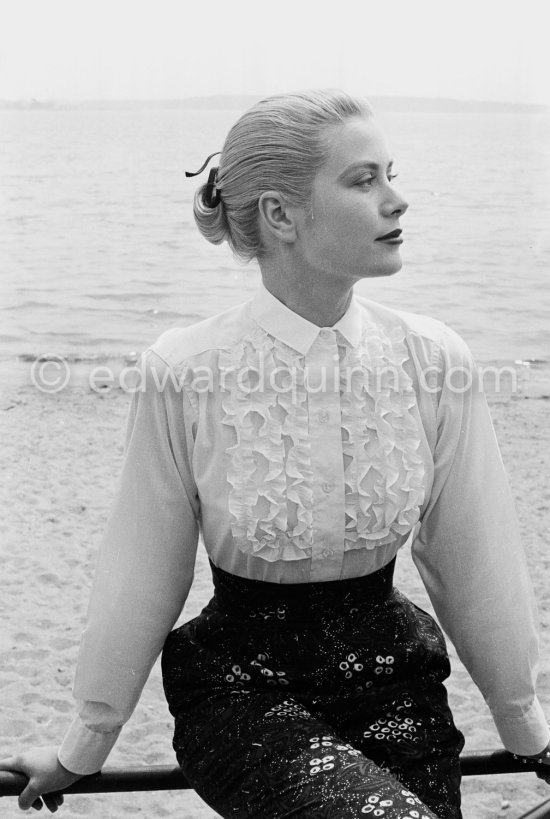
[(269, 466), (384, 472)]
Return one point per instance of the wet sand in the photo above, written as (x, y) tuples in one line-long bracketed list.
[(60, 458)]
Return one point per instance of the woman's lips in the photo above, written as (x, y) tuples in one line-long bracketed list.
[(392, 236)]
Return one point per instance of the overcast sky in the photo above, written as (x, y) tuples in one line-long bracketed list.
[(154, 49)]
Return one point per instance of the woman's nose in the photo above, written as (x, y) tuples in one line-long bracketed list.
[(395, 205)]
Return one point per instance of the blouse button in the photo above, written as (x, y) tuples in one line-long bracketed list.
[(327, 487), (323, 417)]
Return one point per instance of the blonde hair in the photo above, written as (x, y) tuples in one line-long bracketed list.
[(278, 144)]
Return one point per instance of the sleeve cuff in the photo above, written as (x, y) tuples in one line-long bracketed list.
[(525, 735), (84, 751)]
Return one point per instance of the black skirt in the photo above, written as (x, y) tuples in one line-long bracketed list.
[(315, 700)]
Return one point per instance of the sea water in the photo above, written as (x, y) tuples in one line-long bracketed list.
[(99, 253)]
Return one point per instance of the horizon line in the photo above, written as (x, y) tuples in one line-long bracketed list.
[(203, 98)]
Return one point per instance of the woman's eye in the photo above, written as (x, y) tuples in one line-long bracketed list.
[(366, 181)]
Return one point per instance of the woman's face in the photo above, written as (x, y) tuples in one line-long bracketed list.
[(354, 204)]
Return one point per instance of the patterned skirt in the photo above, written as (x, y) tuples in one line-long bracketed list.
[(316, 700)]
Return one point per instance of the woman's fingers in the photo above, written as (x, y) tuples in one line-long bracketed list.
[(30, 797), (52, 801), (46, 777)]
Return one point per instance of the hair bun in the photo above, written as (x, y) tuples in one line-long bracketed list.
[(210, 216)]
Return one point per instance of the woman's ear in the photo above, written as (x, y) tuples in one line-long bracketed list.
[(277, 217)]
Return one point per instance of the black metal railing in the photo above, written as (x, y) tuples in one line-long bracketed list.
[(164, 777)]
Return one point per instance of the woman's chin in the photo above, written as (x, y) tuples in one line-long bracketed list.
[(383, 271)]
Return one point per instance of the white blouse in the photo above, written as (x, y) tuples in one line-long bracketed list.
[(305, 454)]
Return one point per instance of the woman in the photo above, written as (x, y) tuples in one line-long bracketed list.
[(309, 434)]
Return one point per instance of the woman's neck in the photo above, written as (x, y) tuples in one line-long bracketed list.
[(321, 305)]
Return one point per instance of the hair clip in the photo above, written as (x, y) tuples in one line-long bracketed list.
[(203, 166), (211, 195)]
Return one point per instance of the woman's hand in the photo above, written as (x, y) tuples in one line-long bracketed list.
[(46, 776)]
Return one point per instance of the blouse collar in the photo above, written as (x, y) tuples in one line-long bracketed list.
[(294, 330)]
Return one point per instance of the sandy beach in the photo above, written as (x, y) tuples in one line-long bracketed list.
[(60, 458)]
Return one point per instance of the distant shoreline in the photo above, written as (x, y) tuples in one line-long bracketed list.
[(420, 105)]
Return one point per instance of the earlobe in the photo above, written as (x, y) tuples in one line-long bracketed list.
[(276, 217)]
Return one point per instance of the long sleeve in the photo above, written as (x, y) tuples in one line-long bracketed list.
[(144, 572), (470, 557)]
